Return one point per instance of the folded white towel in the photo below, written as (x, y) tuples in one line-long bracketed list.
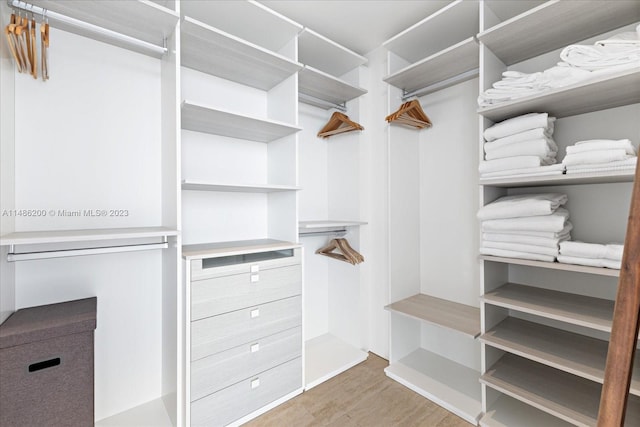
[(591, 262), (496, 96), (582, 249), (519, 124), (594, 157), (627, 38), (522, 205), (562, 234), (514, 163), (622, 165), (528, 135), (515, 254), (556, 169), (520, 247), (553, 223), (535, 147), (614, 251), (601, 144), (598, 57), (560, 76), (524, 239)]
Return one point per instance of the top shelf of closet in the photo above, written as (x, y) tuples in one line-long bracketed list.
[(325, 87), (553, 25), (599, 93), (70, 236), (323, 54), (440, 312), (212, 51)]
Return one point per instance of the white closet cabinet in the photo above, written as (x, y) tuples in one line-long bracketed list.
[(434, 315), (335, 291), (546, 326), (88, 165)]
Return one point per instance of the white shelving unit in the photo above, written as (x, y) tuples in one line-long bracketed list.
[(316, 84), (545, 341), (68, 236), (203, 186), (328, 356)]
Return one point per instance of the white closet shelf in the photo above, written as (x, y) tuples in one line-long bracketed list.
[(579, 310), (214, 121), (325, 87), (569, 352), (236, 188), (140, 19), (239, 247), (509, 412), (207, 49), (248, 20), (446, 27), (570, 398), (568, 179), (603, 92), (327, 356), (439, 67), (321, 53), (151, 413), (553, 25), (451, 385), (440, 312), (312, 225), (554, 265), (69, 236)]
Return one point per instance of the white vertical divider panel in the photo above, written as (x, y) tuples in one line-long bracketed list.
[(7, 170)]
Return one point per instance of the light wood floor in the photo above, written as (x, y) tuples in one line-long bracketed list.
[(363, 396)]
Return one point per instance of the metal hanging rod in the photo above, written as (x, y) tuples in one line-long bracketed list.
[(26, 256), (91, 28), (336, 233), (312, 100), (468, 75)]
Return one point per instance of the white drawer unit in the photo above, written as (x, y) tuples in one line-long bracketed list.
[(250, 263)]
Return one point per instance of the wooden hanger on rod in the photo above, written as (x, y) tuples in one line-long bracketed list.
[(410, 114), (338, 123), (346, 254), (21, 38)]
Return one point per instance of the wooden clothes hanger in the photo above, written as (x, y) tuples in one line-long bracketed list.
[(410, 114), (348, 254), (338, 123)]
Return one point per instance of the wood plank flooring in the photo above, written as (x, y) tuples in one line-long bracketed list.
[(363, 396)]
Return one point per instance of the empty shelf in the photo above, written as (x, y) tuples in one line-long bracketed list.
[(69, 236), (594, 313), (555, 24), (151, 413), (595, 94), (449, 384), (569, 352), (321, 53), (237, 188), (201, 118), (207, 49), (569, 179), (509, 412), (554, 265), (202, 250), (325, 87), (328, 356), (436, 311)]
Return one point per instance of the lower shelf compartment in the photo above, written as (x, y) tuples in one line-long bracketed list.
[(508, 412), (443, 381), (327, 356), (152, 413)]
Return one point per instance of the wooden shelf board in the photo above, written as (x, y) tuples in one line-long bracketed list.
[(440, 312), (207, 49), (311, 225), (553, 25), (321, 53), (325, 87), (151, 413), (450, 25), (69, 236), (567, 351), (449, 384), (505, 10), (438, 67), (201, 118), (568, 397), (250, 21), (218, 249), (589, 312), (236, 188), (598, 93), (327, 356), (569, 179), (554, 265), (509, 412)]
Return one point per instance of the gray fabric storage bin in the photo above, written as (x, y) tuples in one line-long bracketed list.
[(46, 365)]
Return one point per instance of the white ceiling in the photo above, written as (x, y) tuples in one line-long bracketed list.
[(360, 25)]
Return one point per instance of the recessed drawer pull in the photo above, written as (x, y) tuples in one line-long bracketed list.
[(255, 348), (255, 268), (255, 278), (255, 313), (255, 383)]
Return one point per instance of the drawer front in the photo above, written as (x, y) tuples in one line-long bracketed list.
[(218, 333), (219, 295), (232, 403), (208, 268), (229, 367)]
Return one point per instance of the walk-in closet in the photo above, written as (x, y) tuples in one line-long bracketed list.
[(296, 212)]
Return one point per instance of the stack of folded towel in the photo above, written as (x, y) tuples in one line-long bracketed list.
[(591, 254), (520, 146), (528, 226), (599, 155)]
